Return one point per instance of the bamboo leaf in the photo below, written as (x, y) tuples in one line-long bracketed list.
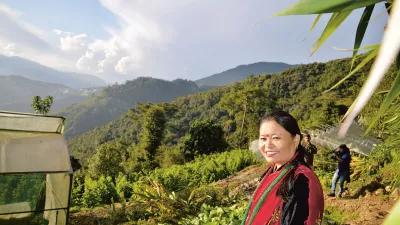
[(393, 217), (361, 28), (371, 55), (315, 21), (387, 53), (304, 7), (333, 23), (393, 93)]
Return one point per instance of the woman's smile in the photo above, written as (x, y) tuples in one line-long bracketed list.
[(271, 153)]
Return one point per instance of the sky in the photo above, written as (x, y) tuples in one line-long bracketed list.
[(120, 40)]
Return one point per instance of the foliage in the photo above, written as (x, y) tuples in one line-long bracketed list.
[(388, 51), (98, 192), (215, 215), (23, 188), (169, 155), (114, 101), (204, 137), (158, 205), (78, 188), (123, 187), (108, 160), (42, 106), (152, 132), (204, 169)]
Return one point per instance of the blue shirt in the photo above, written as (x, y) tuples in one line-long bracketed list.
[(344, 163)]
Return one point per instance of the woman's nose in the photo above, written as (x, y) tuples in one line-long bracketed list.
[(268, 142)]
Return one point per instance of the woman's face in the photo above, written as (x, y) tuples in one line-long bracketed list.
[(276, 144)]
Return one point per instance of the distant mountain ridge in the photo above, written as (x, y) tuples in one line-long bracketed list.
[(35, 71), (242, 72), (16, 94), (115, 100)]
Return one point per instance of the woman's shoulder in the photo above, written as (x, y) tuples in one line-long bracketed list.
[(305, 171)]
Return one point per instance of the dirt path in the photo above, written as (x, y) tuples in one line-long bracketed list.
[(370, 210)]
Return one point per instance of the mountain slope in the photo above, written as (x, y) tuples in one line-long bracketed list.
[(238, 107), (36, 71), (115, 100), (16, 94), (241, 72)]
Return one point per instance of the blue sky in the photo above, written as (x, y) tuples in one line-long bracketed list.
[(123, 39)]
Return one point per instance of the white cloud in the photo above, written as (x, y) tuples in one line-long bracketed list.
[(20, 38), (8, 49), (125, 65), (174, 38), (70, 41), (126, 47), (73, 43)]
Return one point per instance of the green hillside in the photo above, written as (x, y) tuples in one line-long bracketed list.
[(299, 90), (242, 72), (115, 100)]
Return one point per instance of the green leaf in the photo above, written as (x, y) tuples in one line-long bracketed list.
[(361, 28), (393, 93), (388, 51), (315, 21), (371, 55), (333, 23), (304, 7), (393, 217)]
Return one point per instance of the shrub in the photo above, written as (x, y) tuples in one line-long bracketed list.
[(204, 169), (123, 187), (229, 215), (98, 192), (168, 156)]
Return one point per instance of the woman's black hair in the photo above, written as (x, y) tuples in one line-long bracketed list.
[(289, 123)]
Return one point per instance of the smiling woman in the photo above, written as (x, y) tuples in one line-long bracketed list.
[(289, 192)]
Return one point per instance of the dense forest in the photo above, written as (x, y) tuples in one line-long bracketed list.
[(112, 101), (161, 161)]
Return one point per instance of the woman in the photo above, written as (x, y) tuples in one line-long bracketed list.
[(290, 192)]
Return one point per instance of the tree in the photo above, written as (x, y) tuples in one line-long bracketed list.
[(153, 129), (42, 106), (204, 137), (108, 160), (142, 155)]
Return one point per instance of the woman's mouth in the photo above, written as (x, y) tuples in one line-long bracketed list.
[(271, 153)]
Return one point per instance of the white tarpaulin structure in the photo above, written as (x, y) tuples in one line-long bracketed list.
[(35, 170)]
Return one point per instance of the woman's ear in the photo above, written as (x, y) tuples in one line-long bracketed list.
[(297, 139)]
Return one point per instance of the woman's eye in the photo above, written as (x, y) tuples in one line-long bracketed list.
[(276, 138), (263, 138)]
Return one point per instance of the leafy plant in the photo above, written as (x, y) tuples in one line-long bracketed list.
[(204, 137), (42, 106), (388, 50), (98, 192)]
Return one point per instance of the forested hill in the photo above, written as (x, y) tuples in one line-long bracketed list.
[(242, 72), (35, 71), (16, 93), (115, 100), (298, 90)]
